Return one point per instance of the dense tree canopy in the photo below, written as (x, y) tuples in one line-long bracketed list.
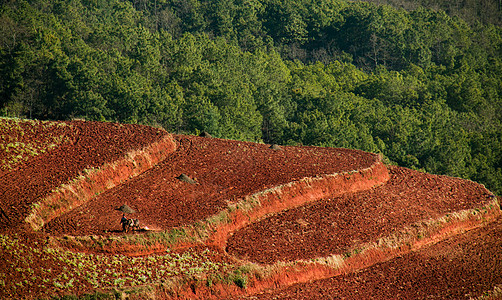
[(421, 86)]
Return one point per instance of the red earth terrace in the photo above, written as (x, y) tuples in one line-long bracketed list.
[(223, 219)]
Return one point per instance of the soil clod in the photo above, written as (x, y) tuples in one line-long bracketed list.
[(275, 147)]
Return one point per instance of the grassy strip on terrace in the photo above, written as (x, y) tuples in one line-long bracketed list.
[(495, 293)]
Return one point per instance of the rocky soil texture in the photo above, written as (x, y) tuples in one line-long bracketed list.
[(230, 219)]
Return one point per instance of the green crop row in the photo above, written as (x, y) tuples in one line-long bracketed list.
[(62, 271), (16, 145)]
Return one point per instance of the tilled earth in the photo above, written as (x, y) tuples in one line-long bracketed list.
[(87, 145), (224, 170), (465, 266), (334, 226), (460, 267)]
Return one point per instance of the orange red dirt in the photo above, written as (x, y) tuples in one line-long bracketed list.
[(337, 225), (313, 203), (465, 266), (224, 170)]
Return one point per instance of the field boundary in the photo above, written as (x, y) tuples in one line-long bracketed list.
[(92, 182), (215, 230)]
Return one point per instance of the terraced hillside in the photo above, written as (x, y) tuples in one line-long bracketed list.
[(84, 147), (224, 171), (465, 266), (225, 219)]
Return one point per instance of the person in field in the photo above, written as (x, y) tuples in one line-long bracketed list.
[(124, 221)]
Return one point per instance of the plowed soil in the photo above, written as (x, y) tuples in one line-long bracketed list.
[(334, 226), (224, 171), (89, 145), (465, 266)]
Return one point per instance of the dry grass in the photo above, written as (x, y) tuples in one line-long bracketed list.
[(75, 193), (495, 293)]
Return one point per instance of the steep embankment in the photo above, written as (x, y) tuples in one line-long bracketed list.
[(225, 172), (30, 188)]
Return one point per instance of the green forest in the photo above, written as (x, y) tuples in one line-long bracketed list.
[(418, 81)]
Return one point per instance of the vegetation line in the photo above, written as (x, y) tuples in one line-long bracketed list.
[(95, 181), (216, 229)]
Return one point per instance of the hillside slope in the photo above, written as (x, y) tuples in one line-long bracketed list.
[(86, 146), (254, 218)]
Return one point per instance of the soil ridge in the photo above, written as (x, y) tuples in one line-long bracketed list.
[(96, 180), (215, 230)]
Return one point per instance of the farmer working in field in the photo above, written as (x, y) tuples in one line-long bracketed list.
[(124, 222)]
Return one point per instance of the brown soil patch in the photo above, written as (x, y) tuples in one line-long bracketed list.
[(342, 224), (464, 266), (281, 228), (92, 144), (224, 170)]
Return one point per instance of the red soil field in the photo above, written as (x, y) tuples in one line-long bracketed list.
[(224, 170), (465, 266), (337, 225)]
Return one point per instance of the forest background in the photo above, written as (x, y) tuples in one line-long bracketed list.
[(417, 81)]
